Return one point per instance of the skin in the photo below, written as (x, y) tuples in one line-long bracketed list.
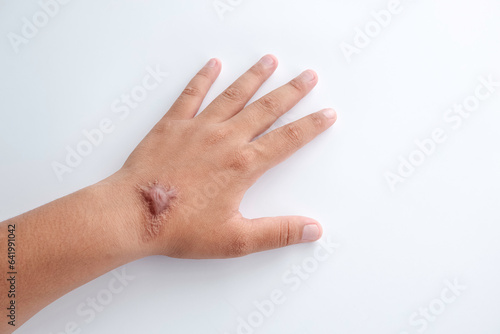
[(203, 165)]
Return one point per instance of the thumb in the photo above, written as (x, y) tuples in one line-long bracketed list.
[(274, 232)]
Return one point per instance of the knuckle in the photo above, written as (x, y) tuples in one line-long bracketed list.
[(293, 134), (286, 233), (163, 127), (217, 135), (317, 121), (257, 71), (297, 85), (270, 104), (204, 74), (242, 160), (233, 94), (191, 91)]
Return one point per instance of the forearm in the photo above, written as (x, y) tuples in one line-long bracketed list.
[(67, 243)]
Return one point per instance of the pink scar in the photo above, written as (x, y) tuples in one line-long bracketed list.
[(158, 197)]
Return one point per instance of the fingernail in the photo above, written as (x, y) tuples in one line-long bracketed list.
[(311, 232), (212, 62), (267, 61), (308, 75), (329, 113)]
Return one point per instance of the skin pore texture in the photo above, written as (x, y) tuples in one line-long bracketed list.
[(158, 199), (178, 194)]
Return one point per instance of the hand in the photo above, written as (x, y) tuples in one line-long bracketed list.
[(178, 194), (190, 173)]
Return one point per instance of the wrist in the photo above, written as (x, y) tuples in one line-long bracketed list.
[(119, 203)]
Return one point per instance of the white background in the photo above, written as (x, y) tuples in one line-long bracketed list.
[(396, 248)]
